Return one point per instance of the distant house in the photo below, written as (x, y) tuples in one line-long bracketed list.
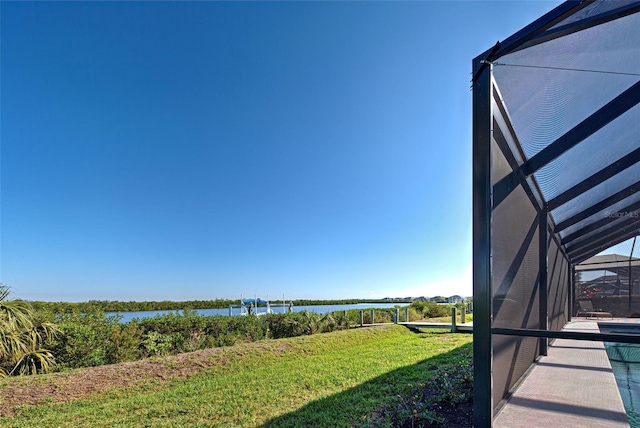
[(603, 285), (456, 299), (615, 273)]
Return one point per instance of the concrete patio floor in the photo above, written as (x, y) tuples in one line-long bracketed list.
[(573, 386)]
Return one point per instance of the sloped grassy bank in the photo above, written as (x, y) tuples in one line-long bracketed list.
[(361, 377)]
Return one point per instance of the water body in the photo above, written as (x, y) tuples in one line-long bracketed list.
[(320, 309)]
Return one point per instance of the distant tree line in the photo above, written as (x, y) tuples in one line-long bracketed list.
[(168, 305), (118, 306)]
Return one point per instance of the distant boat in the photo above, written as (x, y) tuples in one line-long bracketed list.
[(250, 306), (254, 301)]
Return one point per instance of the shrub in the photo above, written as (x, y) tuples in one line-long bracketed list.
[(93, 339), (79, 345), (414, 314), (279, 326), (431, 309), (124, 343), (155, 343), (82, 340)]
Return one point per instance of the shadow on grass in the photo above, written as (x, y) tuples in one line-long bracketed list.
[(365, 404)]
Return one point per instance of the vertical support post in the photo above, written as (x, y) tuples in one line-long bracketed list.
[(482, 213), (361, 318), (406, 314), (454, 327), (572, 290), (372, 317), (230, 311), (543, 268), (630, 286), (396, 318), (463, 315)]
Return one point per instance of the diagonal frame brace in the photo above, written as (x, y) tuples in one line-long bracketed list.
[(603, 116), (599, 177)]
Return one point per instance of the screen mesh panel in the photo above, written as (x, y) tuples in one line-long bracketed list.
[(598, 193), (587, 238), (545, 103), (618, 207), (515, 276), (579, 163), (558, 290)]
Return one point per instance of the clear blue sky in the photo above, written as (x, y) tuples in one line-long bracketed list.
[(206, 150)]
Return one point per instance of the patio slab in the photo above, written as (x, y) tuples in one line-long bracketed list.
[(573, 386)]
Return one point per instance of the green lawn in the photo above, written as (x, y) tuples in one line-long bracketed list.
[(326, 380)]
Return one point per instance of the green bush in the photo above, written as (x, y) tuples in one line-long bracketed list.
[(431, 309), (190, 331), (155, 343), (124, 343), (79, 345), (414, 314), (246, 329), (282, 325), (93, 339)]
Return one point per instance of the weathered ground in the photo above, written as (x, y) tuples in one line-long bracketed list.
[(68, 386)]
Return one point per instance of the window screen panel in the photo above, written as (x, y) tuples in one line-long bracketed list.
[(545, 103), (598, 193), (603, 148)]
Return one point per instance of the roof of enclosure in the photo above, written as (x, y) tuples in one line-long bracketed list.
[(616, 263), (570, 85)]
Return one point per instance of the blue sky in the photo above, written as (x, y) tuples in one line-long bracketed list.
[(202, 150)]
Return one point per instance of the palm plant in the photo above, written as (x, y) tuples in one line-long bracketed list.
[(21, 338)]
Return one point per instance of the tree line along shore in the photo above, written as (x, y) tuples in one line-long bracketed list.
[(134, 306)]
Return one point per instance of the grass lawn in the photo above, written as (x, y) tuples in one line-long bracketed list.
[(335, 379)]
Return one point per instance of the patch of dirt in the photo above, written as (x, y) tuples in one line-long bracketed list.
[(67, 386), (458, 416)]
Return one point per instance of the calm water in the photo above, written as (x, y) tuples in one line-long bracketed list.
[(320, 309)]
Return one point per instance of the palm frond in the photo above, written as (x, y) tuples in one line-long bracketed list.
[(12, 345), (4, 292), (21, 338), (33, 362), (15, 313)]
